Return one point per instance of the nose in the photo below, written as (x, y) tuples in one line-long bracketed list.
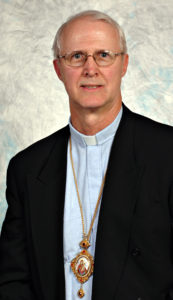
[(90, 68)]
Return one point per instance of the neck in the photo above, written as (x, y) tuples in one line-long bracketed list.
[(89, 122)]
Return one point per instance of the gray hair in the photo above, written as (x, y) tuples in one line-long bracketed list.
[(95, 15)]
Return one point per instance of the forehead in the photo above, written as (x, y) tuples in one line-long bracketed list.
[(86, 33)]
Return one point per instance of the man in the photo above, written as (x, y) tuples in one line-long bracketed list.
[(99, 190)]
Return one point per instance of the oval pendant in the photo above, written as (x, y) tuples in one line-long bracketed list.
[(83, 266)]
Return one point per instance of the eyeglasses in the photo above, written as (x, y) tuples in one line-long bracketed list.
[(103, 58)]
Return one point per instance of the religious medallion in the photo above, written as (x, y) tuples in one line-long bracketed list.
[(83, 266)]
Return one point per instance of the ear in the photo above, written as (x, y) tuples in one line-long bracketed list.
[(125, 64), (57, 68)]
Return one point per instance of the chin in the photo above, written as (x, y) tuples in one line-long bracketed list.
[(92, 103)]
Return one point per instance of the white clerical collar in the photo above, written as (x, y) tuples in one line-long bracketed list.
[(100, 137)]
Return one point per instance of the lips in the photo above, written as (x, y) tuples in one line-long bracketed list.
[(91, 86)]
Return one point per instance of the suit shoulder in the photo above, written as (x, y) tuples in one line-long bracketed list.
[(153, 130), (37, 153), (153, 141)]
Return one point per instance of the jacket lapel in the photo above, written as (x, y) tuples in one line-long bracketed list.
[(118, 202), (46, 205)]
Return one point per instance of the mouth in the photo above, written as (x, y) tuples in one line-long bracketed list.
[(91, 87)]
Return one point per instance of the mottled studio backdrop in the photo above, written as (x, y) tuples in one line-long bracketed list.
[(33, 103)]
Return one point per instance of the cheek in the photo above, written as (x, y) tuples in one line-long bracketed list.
[(71, 82), (115, 75), (71, 77), (111, 78)]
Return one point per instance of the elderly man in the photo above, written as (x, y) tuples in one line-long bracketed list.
[(90, 207)]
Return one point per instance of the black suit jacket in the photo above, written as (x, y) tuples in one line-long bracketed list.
[(133, 258)]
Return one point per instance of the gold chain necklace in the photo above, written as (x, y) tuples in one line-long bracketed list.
[(83, 264)]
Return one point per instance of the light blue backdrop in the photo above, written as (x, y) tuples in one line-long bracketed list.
[(33, 102)]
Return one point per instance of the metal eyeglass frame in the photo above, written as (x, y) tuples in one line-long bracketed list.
[(89, 55)]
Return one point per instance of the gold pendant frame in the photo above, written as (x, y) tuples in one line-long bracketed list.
[(83, 266)]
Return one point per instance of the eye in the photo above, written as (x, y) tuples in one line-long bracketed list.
[(104, 54), (77, 56)]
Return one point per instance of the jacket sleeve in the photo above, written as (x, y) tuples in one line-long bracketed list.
[(15, 281)]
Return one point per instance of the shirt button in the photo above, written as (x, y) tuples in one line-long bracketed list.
[(136, 252)]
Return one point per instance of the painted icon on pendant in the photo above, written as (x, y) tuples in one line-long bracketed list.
[(82, 266)]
